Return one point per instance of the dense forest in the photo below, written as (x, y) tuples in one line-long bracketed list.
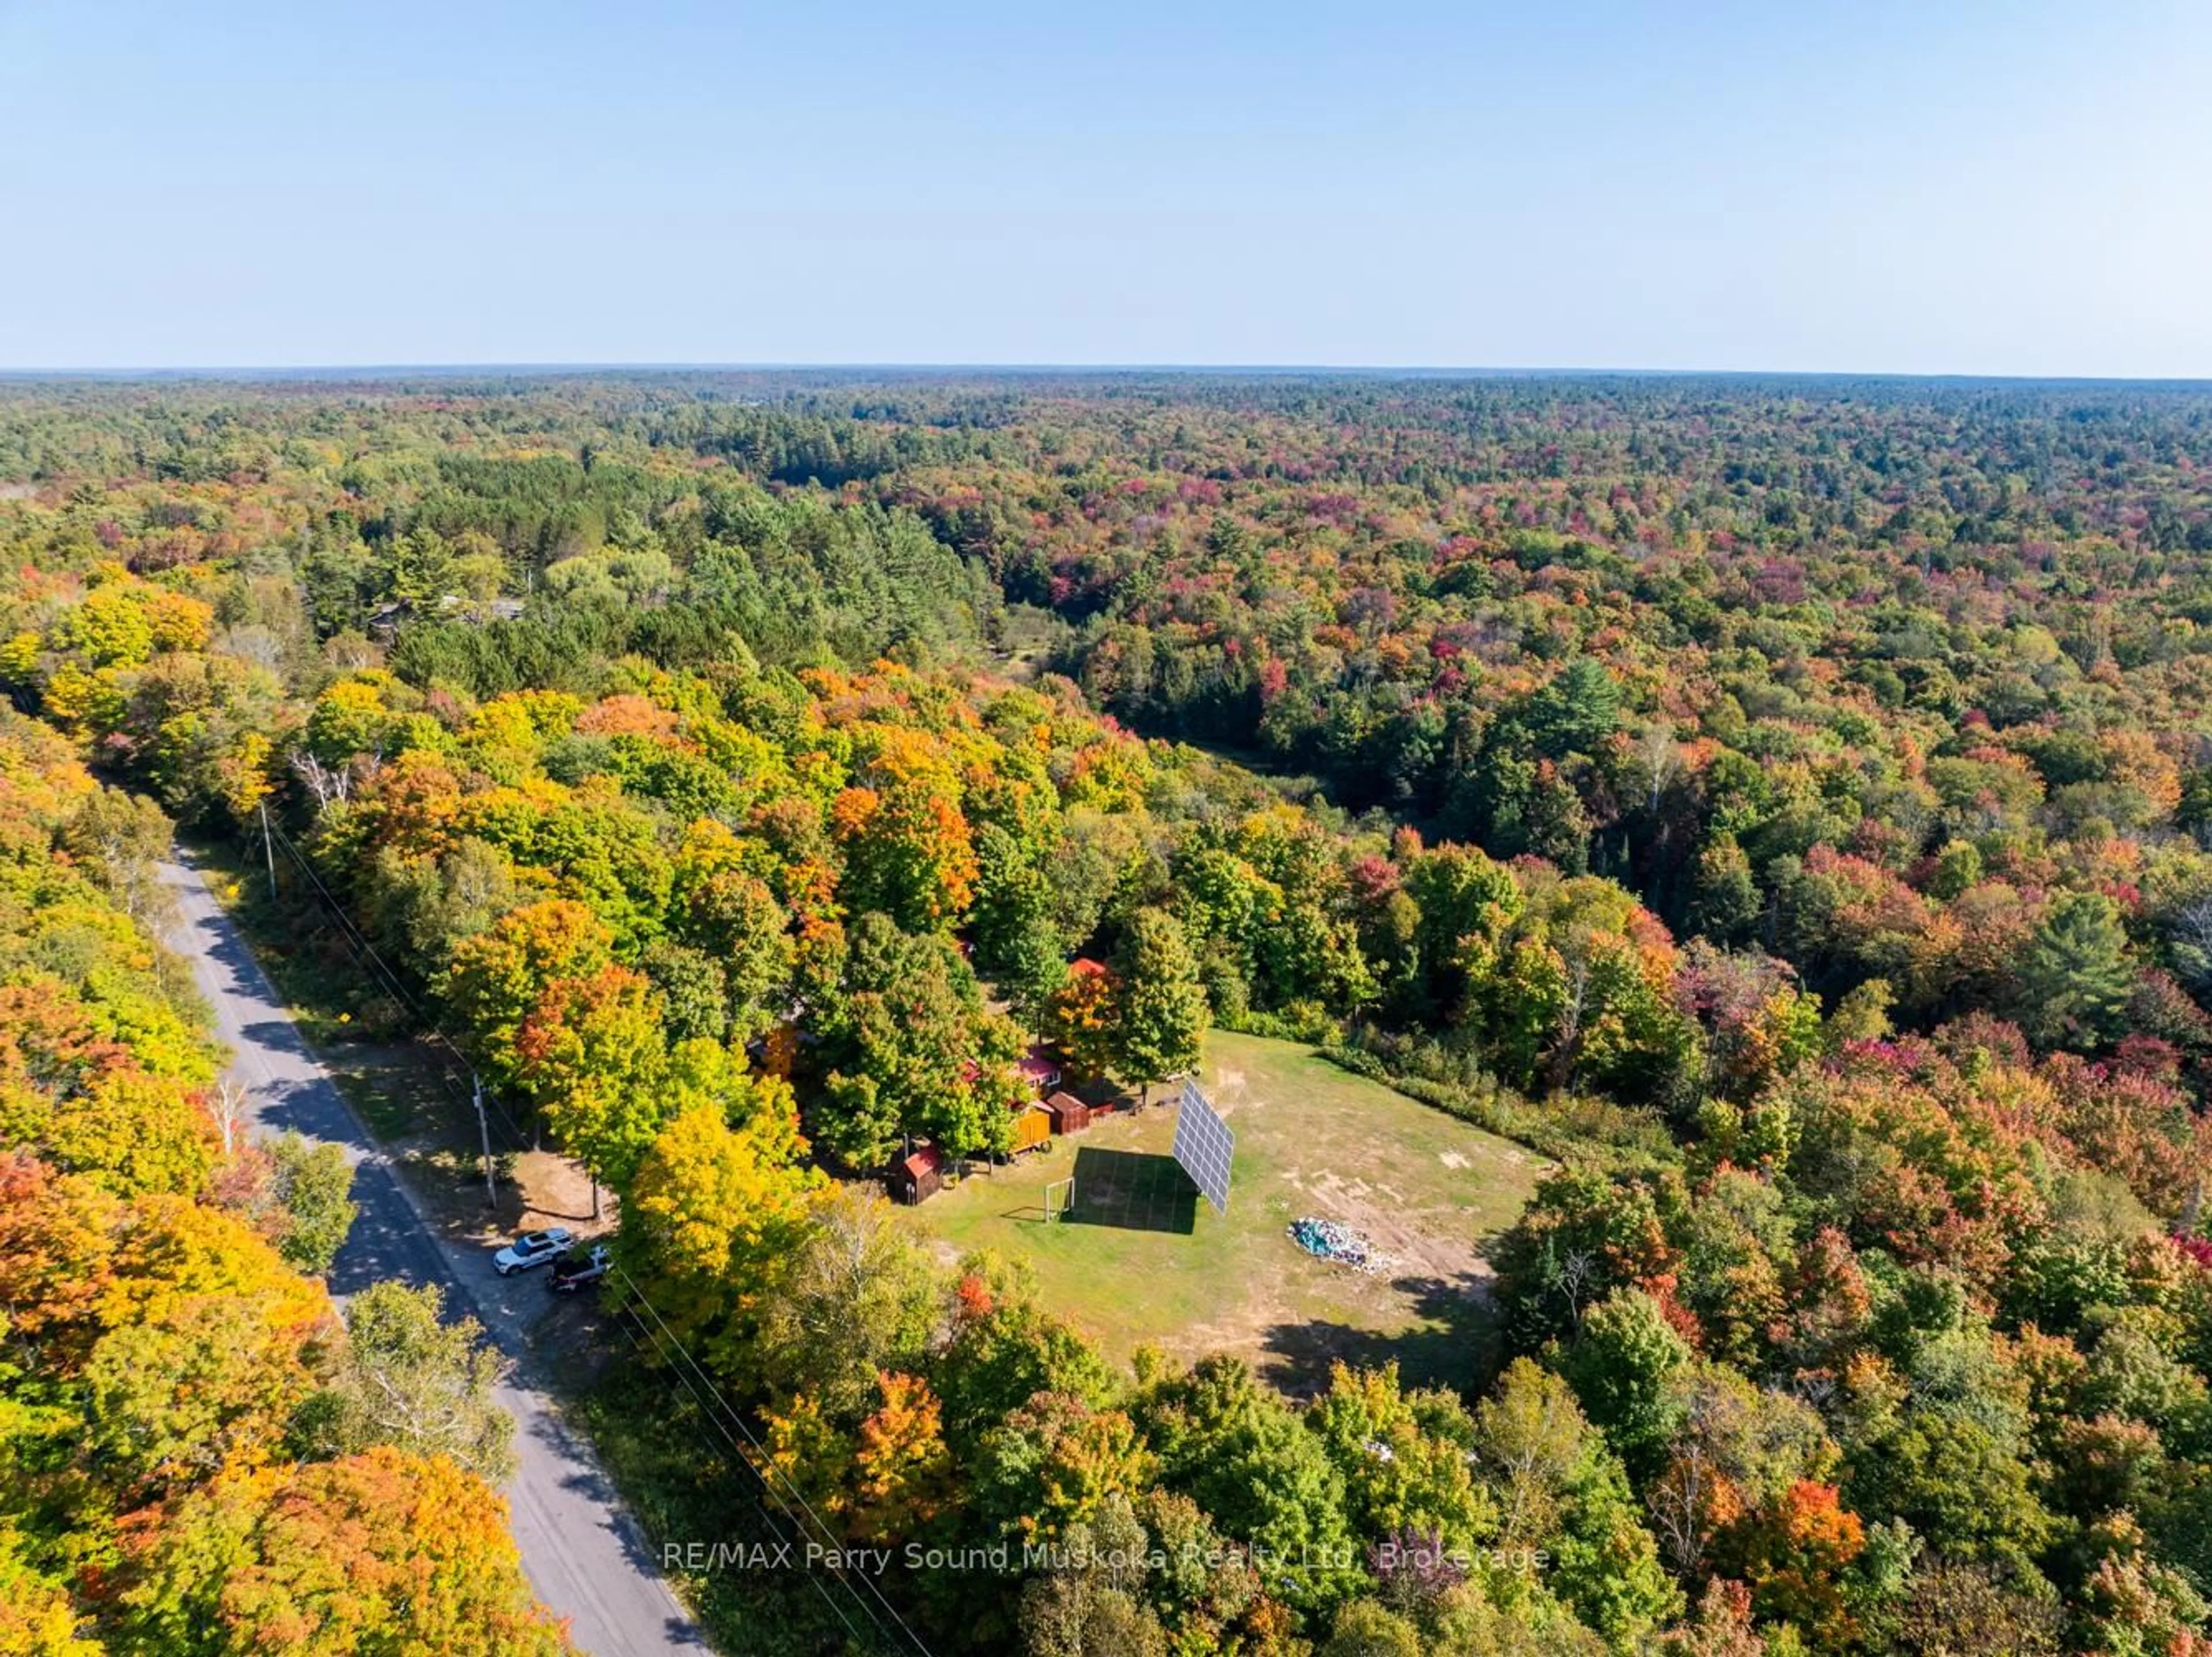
[(1785, 803), (199, 1454)]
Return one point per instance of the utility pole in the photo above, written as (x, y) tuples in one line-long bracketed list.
[(483, 1130), (268, 851)]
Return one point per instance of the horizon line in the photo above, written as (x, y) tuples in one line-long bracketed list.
[(236, 372)]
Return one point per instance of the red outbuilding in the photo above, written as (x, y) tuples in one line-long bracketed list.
[(1069, 1114), (918, 1178)]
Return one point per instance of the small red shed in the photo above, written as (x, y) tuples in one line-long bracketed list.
[(1069, 1114), (918, 1178)]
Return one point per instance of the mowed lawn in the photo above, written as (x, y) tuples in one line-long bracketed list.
[(1146, 1260)]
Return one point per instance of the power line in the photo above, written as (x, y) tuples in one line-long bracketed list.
[(759, 1507), (363, 948), (358, 943), (353, 935), (761, 1451)]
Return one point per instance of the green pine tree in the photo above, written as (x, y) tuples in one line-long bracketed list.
[(2075, 979)]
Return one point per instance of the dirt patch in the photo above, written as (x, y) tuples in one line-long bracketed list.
[(557, 1191), (1417, 1246)]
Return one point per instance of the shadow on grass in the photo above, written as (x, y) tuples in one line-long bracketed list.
[(1133, 1191), (1455, 1345)]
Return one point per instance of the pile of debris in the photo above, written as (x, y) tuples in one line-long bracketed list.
[(1332, 1239)]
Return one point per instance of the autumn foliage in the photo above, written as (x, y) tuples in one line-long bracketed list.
[(1783, 807)]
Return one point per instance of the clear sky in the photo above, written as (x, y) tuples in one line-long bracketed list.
[(1941, 185)]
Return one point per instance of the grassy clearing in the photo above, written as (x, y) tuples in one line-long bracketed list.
[(1311, 1139)]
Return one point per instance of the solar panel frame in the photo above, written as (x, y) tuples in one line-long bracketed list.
[(1204, 1146)]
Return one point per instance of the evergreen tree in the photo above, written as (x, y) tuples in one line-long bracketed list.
[(2074, 979)]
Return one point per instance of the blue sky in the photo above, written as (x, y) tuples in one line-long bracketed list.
[(1957, 187)]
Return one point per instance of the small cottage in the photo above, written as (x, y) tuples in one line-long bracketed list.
[(1039, 1069)]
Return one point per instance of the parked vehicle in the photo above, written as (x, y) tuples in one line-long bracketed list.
[(533, 1248), (575, 1273)]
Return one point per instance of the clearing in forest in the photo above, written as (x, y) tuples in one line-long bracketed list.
[(1146, 1260)]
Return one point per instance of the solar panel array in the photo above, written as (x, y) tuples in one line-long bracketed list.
[(1203, 1145)]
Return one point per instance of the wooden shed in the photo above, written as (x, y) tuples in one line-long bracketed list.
[(918, 1178), (1069, 1114), (1032, 1126)]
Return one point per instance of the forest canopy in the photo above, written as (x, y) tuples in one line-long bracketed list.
[(1784, 802)]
